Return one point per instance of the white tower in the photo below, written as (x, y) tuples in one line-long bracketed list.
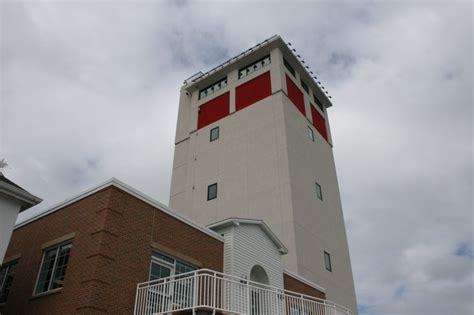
[(253, 141)]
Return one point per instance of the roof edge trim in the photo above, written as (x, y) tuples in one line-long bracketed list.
[(130, 190), (237, 221)]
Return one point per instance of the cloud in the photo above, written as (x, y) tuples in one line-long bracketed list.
[(90, 90)]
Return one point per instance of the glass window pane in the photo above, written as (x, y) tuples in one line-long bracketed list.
[(214, 134), (163, 257), (310, 133), (46, 271), (159, 271), (212, 191), (183, 268), (6, 279), (61, 264), (319, 192), (327, 261)]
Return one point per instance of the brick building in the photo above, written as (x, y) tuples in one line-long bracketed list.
[(87, 254)]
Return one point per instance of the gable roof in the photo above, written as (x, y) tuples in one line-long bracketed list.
[(237, 221), (113, 182), (13, 190)]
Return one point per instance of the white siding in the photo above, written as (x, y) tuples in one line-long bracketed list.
[(228, 249), (250, 246), (9, 209)]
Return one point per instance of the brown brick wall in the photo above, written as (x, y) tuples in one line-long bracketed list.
[(295, 285), (112, 246)]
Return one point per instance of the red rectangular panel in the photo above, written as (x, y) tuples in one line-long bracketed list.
[(213, 110), (319, 123), (253, 91), (295, 95)]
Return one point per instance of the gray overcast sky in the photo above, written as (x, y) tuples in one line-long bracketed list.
[(89, 91)]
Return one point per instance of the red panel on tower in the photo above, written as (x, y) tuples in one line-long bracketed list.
[(253, 91), (213, 110), (295, 95), (319, 123)]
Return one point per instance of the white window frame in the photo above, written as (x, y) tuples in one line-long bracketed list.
[(49, 290)]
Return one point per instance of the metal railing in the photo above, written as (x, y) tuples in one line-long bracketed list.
[(208, 290)]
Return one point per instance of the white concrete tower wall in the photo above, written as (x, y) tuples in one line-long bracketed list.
[(266, 168)]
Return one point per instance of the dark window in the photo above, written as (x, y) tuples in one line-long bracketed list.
[(289, 67), (304, 86), (327, 261), (319, 192), (310, 133), (213, 88), (7, 273), (318, 103), (212, 191), (214, 134), (254, 66), (53, 268)]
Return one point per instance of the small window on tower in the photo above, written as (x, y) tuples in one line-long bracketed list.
[(289, 67), (304, 86), (319, 192), (212, 191), (318, 103), (310, 133), (327, 261), (214, 134)]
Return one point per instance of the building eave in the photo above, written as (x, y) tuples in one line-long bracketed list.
[(237, 221), (113, 182), (28, 200)]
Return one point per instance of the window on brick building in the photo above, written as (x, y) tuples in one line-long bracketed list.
[(319, 192), (214, 134), (164, 266), (212, 191), (327, 261), (7, 273), (53, 268)]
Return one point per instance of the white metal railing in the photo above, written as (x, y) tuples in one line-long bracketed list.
[(213, 291)]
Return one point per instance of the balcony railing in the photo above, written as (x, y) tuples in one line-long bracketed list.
[(207, 290)]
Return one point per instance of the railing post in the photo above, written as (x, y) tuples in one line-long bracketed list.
[(302, 305), (195, 295), (136, 301), (248, 298), (277, 301), (214, 295)]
